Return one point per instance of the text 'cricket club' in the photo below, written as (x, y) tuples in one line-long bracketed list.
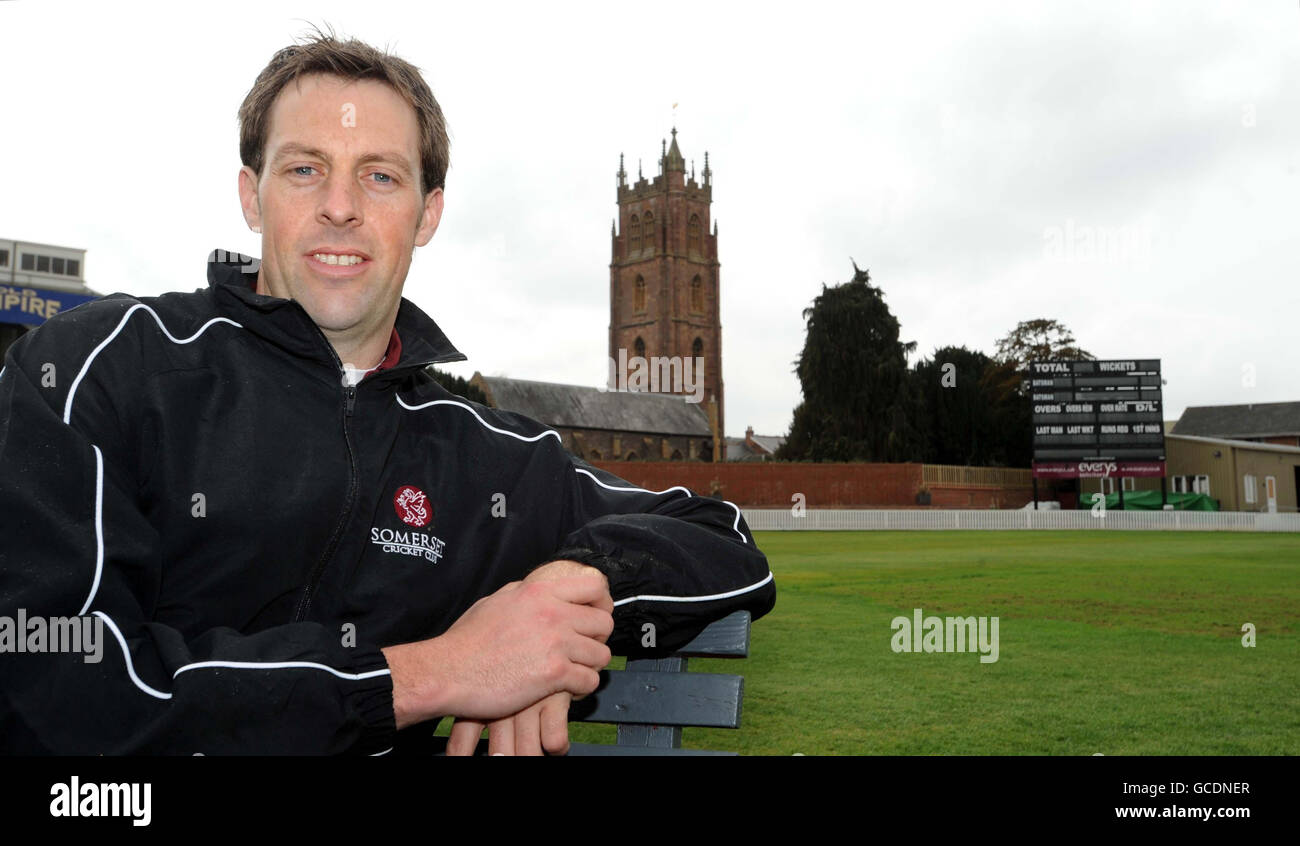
[(414, 509)]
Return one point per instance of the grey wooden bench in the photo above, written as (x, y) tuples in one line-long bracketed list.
[(654, 698)]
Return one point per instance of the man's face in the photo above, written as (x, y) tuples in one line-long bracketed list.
[(341, 177)]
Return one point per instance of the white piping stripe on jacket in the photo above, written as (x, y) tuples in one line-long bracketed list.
[(735, 526), (634, 487), (235, 665), (736, 592), (281, 665), (67, 408), (99, 529), (126, 653), (486, 424)]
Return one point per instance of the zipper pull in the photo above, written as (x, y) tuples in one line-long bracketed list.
[(351, 394)]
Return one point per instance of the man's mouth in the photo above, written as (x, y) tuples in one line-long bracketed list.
[(338, 264), (344, 259)]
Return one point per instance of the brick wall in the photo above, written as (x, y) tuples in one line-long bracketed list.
[(773, 484)]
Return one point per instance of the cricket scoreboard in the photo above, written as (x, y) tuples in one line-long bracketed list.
[(1097, 418)]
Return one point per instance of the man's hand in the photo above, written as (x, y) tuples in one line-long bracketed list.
[(542, 728), (509, 651)]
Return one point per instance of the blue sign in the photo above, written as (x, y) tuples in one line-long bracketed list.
[(35, 305)]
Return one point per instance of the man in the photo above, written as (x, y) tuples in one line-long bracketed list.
[(293, 538)]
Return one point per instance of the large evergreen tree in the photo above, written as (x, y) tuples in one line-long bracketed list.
[(954, 411), (857, 400)]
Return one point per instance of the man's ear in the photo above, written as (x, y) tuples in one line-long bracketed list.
[(252, 206), (429, 219)]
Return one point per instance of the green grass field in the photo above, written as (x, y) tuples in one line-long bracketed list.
[(1123, 643)]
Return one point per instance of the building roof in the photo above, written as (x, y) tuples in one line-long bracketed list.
[(585, 407), (743, 449), (1256, 445), (771, 443), (738, 450), (1257, 420)]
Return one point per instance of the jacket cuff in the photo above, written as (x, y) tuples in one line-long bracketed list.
[(371, 701), (615, 573)]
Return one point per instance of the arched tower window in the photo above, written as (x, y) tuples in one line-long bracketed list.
[(639, 347), (693, 235), (634, 238), (648, 231), (697, 348), (697, 294), (638, 295)]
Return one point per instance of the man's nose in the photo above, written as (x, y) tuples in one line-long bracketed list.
[(340, 200)]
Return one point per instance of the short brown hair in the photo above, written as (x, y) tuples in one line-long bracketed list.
[(352, 60)]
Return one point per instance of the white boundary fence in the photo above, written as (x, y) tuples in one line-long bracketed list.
[(776, 519)]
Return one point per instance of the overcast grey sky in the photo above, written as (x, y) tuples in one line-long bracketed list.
[(1131, 169)]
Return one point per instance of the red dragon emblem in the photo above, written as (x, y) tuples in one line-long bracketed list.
[(412, 507)]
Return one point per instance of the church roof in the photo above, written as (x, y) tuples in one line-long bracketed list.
[(584, 407)]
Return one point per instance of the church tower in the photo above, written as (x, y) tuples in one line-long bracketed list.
[(663, 280)]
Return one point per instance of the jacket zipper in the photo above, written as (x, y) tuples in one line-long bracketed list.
[(349, 405)]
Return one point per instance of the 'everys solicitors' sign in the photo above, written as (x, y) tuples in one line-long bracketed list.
[(1097, 469), (34, 306)]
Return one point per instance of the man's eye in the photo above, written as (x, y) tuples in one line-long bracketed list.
[(301, 168), (385, 178)]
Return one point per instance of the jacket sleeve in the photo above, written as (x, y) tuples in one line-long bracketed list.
[(76, 544), (676, 561)]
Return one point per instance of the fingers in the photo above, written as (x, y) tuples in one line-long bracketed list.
[(592, 622), (501, 737), (527, 726), (554, 724), (587, 652), (464, 737), (605, 604), (580, 680), (542, 729), (579, 588)]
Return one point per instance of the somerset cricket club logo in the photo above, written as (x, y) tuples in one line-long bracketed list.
[(412, 507)]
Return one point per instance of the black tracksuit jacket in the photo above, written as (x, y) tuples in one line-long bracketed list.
[(191, 470)]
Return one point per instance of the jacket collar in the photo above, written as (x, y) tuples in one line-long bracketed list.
[(286, 324)]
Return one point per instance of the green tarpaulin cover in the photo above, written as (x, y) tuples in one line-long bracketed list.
[(1150, 501)]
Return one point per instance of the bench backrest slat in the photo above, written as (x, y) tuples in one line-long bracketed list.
[(653, 698)]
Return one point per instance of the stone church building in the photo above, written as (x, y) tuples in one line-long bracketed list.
[(665, 331)]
